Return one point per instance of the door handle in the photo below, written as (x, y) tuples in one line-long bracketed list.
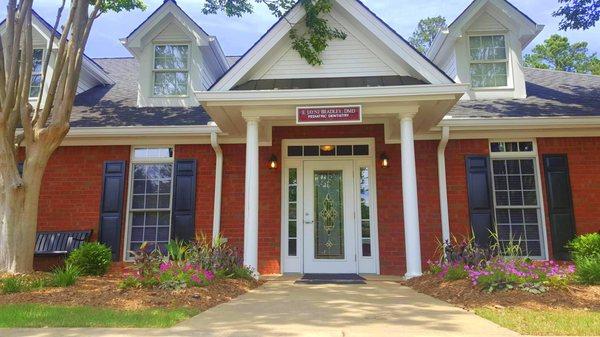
[(308, 222)]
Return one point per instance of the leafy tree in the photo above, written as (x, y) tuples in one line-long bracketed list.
[(595, 66), (427, 29), (31, 132), (311, 44), (558, 53), (578, 14)]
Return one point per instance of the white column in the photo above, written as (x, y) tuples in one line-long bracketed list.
[(251, 196), (410, 200)]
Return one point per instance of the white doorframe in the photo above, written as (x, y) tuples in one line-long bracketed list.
[(294, 263)]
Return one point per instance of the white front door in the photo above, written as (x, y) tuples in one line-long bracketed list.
[(329, 224)]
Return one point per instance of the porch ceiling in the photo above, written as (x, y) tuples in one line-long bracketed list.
[(381, 105)]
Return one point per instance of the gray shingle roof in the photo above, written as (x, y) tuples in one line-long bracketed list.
[(333, 82), (549, 94), (116, 105)]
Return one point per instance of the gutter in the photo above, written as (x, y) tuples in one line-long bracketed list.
[(443, 185), (216, 232)]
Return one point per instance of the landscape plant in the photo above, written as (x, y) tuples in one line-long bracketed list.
[(91, 258), (585, 250), (185, 264)]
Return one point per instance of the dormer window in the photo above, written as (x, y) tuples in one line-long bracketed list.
[(171, 70), (36, 73), (489, 61)]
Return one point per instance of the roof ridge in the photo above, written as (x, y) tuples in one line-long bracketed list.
[(563, 72)]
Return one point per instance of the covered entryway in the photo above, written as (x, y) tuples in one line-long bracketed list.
[(329, 211)]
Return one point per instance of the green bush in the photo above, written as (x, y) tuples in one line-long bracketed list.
[(91, 259), (456, 272), (15, 284), (585, 246), (65, 276), (586, 255), (130, 282)]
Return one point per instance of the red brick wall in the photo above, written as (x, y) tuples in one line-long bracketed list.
[(205, 183), (456, 180), (584, 168), (72, 187)]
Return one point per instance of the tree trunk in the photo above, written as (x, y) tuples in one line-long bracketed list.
[(18, 224)]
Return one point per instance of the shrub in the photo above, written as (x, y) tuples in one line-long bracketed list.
[(217, 257), (15, 284), (586, 255), (65, 276), (91, 259), (130, 282), (587, 270), (585, 246), (455, 272), (466, 252)]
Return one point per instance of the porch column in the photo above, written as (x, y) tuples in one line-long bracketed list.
[(251, 196), (410, 199)]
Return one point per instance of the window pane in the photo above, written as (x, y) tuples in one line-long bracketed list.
[(365, 211), (170, 57), (292, 207), (170, 83), (517, 210), (151, 202), (488, 75), (487, 47)]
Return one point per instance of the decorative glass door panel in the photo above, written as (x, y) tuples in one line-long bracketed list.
[(329, 215), (329, 223)]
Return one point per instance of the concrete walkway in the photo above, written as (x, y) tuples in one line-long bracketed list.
[(282, 308)]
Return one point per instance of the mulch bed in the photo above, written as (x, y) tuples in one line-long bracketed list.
[(104, 292), (461, 293)]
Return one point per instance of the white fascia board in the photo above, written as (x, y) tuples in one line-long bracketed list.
[(520, 123), (136, 131), (234, 97)]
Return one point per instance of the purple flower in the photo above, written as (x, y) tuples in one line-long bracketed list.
[(165, 266)]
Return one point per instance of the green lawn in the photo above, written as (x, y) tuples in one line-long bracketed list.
[(570, 322), (38, 316)]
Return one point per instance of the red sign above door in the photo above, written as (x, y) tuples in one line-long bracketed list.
[(329, 114)]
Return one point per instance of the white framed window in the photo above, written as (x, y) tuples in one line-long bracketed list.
[(292, 211), (488, 61), (36, 72), (518, 208), (170, 70), (150, 198)]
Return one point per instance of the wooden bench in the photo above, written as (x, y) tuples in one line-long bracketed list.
[(59, 243)]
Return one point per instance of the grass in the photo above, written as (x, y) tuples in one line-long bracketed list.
[(38, 316), (571, 322)]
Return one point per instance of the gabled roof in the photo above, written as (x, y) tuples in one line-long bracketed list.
[(530, 29), (88, 63), (365, 16), (168, 7)]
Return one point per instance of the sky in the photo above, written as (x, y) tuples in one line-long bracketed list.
[(236, 35)]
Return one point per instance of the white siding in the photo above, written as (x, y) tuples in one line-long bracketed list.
[(349, 57), (172, 33), (486, 23)]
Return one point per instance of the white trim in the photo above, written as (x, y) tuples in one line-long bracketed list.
[(538, 181), (295, 264)]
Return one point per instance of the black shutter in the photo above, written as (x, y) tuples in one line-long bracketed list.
[(481, 207), (184, 201), (560, 203), (111, 206)]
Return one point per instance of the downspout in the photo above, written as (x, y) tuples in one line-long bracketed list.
[(442, 184), (218, 186)]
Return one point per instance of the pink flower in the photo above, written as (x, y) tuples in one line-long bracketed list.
[(209, 275), (196, 279), (165, 266)]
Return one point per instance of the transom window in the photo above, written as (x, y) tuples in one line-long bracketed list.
[(150, 198), (489, 61), (171, 70), (516, 197), (327, 150)]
